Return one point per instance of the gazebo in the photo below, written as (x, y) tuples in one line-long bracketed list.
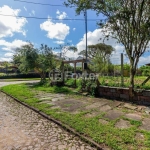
[(82, 60)]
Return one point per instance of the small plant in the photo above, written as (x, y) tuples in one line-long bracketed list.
[(70, 82)]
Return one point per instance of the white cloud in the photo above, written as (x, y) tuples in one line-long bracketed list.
[(9, 55), (69, 41), (60, 15), (33, 12), (57, 31), (57, 12), (59, 42), (11, 46), (94, 38), (5, 59), (10, 25), (144, 60), (74, 29), (25, 8)]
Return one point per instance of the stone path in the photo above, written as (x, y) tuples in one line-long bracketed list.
[(113, 109), (23, 129)]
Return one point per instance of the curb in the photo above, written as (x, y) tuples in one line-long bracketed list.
[(64, 126)]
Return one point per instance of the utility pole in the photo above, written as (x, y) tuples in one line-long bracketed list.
[(85, 63), (86, 33)]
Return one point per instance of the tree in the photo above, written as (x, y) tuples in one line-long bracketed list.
[(29, 58), (99, 55), (145, 70), (128, 21)]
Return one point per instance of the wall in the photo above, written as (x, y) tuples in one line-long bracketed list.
[(141, 96)]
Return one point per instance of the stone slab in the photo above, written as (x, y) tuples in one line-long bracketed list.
[(55, 99), (47, 102), (96, 105), (59, 95), (70, 105), (115, 103), (134, 116), (46, 98), (145, 124), (113, 114), (147, 110), (123, 124), (129, 106), (105, 108)]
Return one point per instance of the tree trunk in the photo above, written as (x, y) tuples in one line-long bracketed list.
[(131, 78), (43, 76), (132, 74)]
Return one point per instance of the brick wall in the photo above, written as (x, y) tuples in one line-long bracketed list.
[(141, 97)]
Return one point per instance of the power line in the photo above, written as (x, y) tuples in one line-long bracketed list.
[(66, 19), (39, 3)]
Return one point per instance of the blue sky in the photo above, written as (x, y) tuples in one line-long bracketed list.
[(53, 30)]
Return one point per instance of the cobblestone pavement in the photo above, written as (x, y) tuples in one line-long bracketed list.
[(23, 129)]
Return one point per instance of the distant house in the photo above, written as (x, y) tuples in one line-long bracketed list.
[(2, 63), (148, 64)]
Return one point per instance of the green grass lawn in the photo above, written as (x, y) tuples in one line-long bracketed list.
[(117, 139), (116, 81)]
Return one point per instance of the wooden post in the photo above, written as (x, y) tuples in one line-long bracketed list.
[(82, 67), (63, 73), (122, 82), (75, 74)]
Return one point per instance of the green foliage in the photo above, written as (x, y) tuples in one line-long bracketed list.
[(70, 82), (40, 60), (145, 70), (116, 82), (99, 55), (87, 85), (127, 22)]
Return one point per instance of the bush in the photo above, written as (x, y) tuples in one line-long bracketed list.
[(70, 82), (31, 75)]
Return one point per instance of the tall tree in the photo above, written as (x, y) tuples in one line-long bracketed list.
[(99, 55), (100, 49), (128, 21)]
